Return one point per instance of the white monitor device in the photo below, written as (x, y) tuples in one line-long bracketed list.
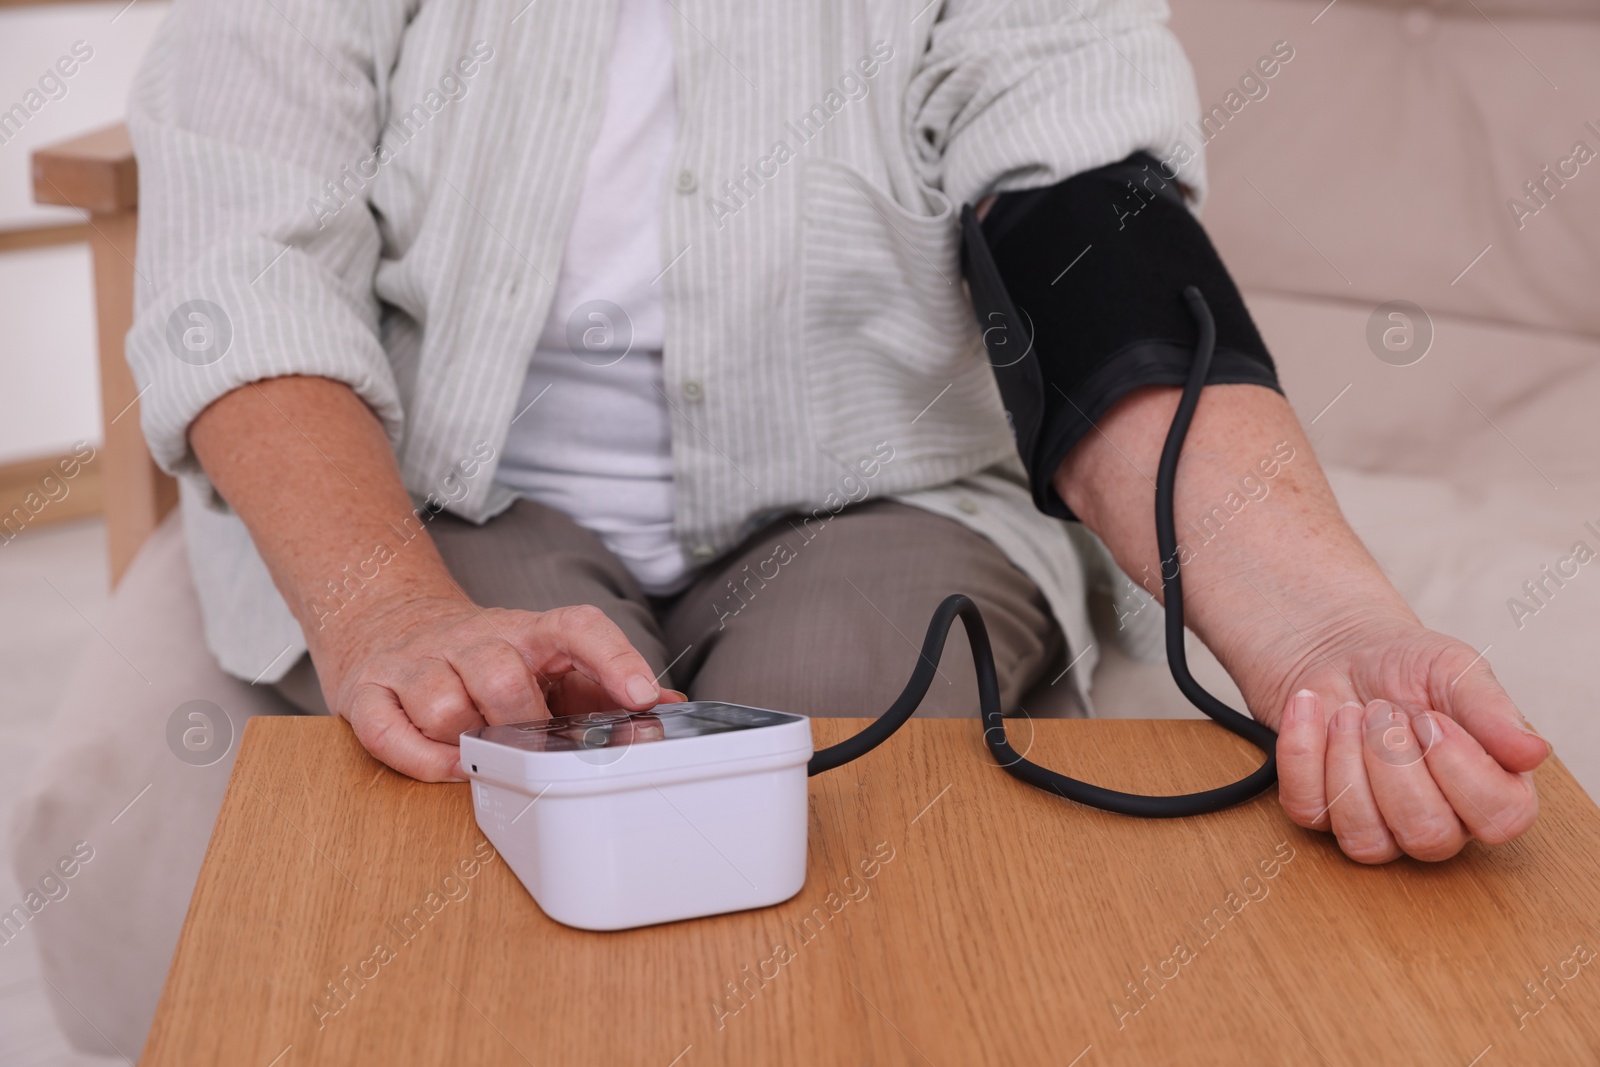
[(621, 819)]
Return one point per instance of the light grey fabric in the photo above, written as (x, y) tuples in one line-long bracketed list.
[(379, 192), (820, 617), (828, 619)]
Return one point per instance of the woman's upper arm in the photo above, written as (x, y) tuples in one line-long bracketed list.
[(242, 113)]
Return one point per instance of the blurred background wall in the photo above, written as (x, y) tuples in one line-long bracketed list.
[(49, 393)]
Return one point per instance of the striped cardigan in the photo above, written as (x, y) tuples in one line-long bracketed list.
[(378, 192)]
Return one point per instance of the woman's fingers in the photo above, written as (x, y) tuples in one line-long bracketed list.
[(436, 700), (1495, 804), (1391, 781), (582, 638), (1419, 818), (498, 681), (382, 727), (1356, 818), (575, 693), (1477, 702), (1302, 755), (458, 667)]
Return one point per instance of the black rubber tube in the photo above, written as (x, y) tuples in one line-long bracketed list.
[(994, 728)]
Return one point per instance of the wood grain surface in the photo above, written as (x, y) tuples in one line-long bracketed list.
[(950, 916)]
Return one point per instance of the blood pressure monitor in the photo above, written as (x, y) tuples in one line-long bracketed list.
[(624, 818), (621, 819)]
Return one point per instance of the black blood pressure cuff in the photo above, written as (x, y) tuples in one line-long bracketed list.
[(1079, 293)]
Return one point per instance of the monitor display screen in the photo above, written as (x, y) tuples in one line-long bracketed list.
[(615, 729)]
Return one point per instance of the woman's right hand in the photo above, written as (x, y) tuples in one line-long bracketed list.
[(409, 660), (412, 676)]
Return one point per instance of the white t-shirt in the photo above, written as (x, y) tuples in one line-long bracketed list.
[(595, 442)]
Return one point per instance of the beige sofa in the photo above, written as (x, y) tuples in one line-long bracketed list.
[(1377, 167)]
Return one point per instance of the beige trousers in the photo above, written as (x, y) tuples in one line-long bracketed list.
[(825, 618)]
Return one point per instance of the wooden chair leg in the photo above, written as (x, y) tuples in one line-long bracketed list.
[(137, 493), (97, 173)]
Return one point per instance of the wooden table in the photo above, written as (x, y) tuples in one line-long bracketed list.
[(951, 916)]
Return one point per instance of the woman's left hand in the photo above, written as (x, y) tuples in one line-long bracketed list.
[(1403, 743)]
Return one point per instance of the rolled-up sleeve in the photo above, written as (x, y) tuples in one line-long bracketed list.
[(250, 264), (1026, 93)]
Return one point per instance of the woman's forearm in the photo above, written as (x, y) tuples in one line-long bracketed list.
[(1272, 573), (307, 466)]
